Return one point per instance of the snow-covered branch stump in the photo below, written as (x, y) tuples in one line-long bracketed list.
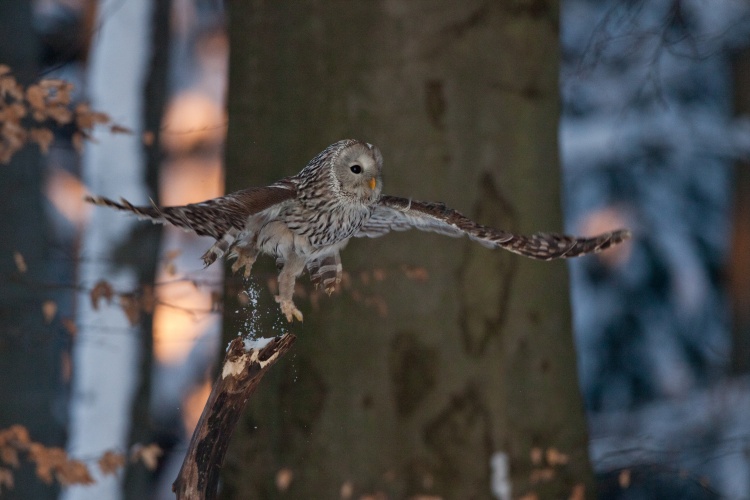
[(240, 375)]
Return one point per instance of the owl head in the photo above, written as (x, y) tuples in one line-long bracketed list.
[(356, 172)]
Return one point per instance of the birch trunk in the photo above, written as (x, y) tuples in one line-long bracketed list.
[(106, 352)]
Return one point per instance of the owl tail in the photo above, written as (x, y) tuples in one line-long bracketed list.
[(203, 219), (545, 246)]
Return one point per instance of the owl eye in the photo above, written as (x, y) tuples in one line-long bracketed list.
[(356, 169)]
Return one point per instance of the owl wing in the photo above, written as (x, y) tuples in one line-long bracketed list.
[(399, 214), (216, 217)]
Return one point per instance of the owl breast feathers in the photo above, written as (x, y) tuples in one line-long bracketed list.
[(304, 220)]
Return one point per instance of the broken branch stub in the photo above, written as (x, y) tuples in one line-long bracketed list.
[(239, 377)]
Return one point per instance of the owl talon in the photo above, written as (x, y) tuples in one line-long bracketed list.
[(245, 259), (289, 309)]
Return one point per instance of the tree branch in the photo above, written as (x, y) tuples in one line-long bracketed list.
[(240, 376)]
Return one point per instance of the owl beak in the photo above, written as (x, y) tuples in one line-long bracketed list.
[(373, 183)]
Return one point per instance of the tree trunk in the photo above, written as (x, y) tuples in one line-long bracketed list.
[(738, 268), (139, 481), (30, 350), (107, 351), (455, 386)]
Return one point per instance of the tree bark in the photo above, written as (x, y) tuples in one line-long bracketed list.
[(455, 386), (738, 268), (139, 481), (30, 349)]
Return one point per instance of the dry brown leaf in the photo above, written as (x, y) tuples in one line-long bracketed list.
[(51, 462), (172, 254), (169, 265), (148, 138), (579, 492), (35, 96), (242, 298), (47, 460), (5, 154), (61, 114), (14, 135), (61, 96), (111, 462), (66, 367), (555, 457), (148, 454), (102, 290), (283, 479), (86, 119), (19, 435), (6, 479), (148, 299), (43, 137), (536, 456), (20, 262), (44, 472), (273, 285), (52, 456), (10, 87), (378, 495), (82, 112), (70, 326), (346, 491), (119, 129), (100, 117), (418, 274), (364, 277), (78, 142), (217, 300), (49, 309), (9, 456), (542, 475), (74, 472), (170, 269), (623, 478), (14, 112), (82, 108), (379, 303), (131, 307)]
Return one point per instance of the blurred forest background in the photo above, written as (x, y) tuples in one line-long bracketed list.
[(441, 370)]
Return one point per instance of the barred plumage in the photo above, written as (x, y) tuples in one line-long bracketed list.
[(305, 220), (399, 214)]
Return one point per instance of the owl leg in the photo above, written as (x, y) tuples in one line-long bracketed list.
[(220, 248), (325, 272), (245, 258), (292, 267)]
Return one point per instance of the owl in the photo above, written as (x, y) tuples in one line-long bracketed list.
[(305, 220)]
